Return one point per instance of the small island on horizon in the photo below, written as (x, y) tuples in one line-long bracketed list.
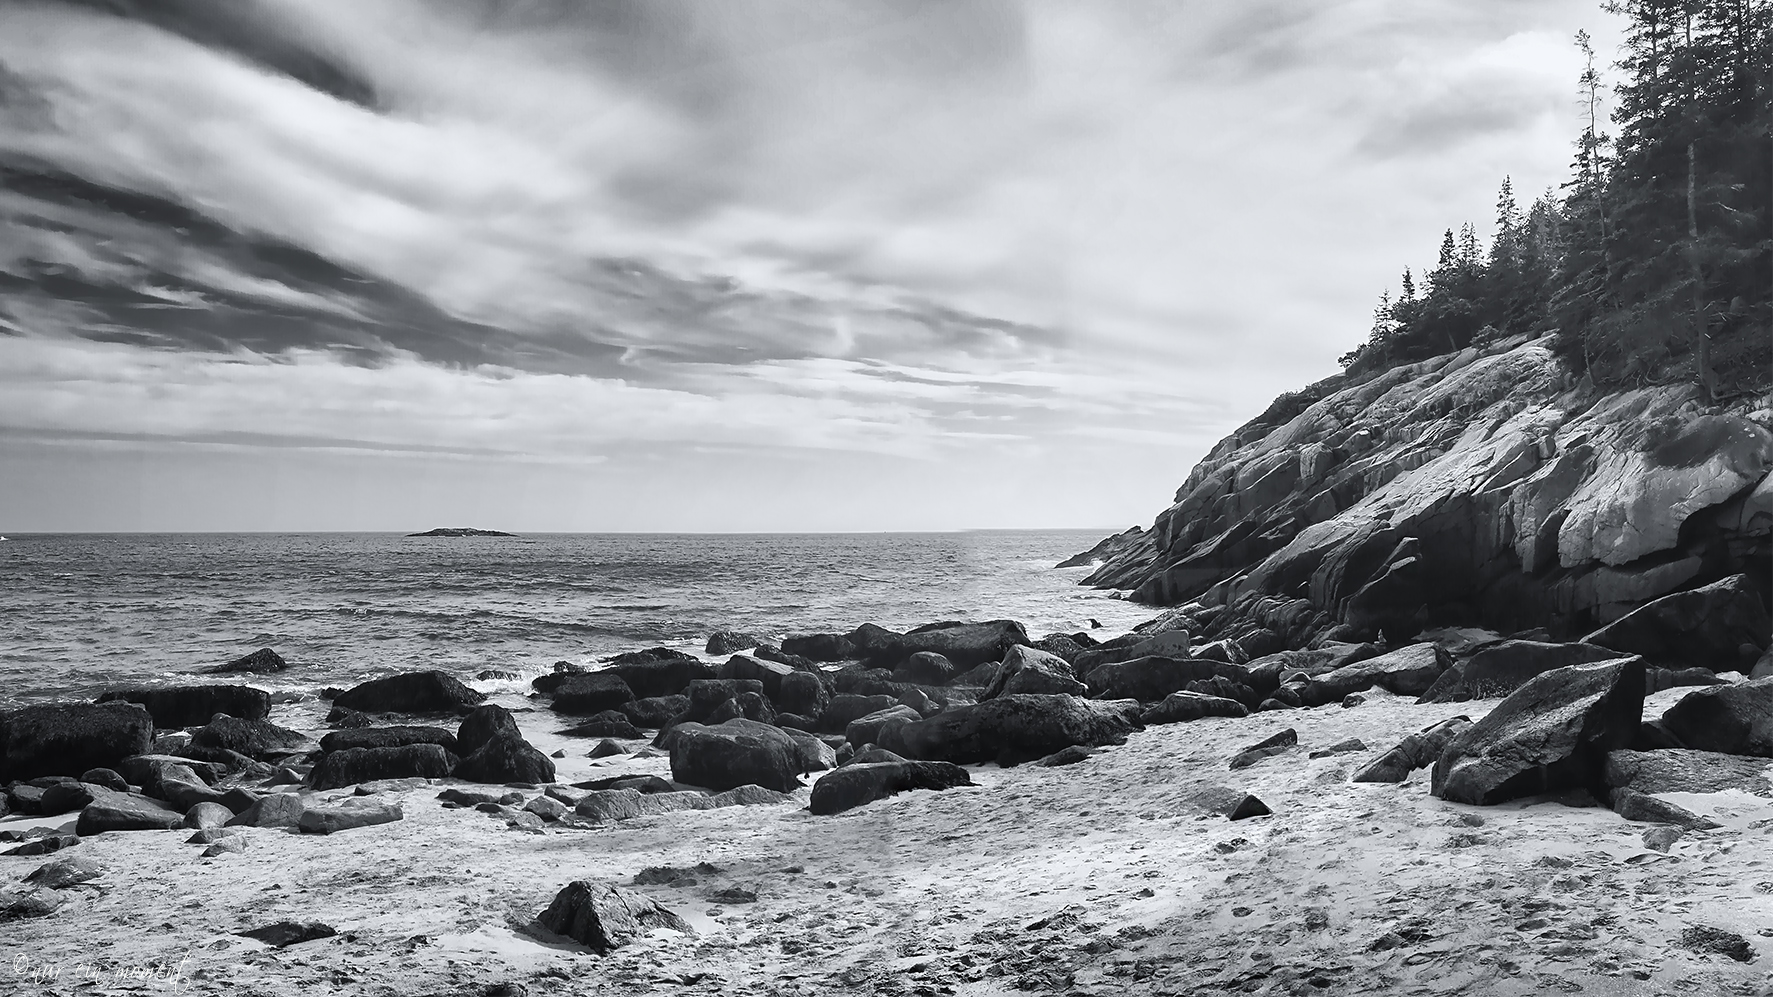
[(460, 531)]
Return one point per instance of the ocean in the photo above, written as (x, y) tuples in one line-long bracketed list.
[(82, 613)]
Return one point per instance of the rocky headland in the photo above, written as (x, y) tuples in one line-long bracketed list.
[(1457, 680)]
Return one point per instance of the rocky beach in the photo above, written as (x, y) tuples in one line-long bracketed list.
[(1454, 679)]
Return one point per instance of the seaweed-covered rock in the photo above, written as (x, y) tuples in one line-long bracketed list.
[(356, 765), (592, 692), (263, 661), (261, 740), (69, 738), (507, 757), (482, 724), (390, 737), (191, 705)]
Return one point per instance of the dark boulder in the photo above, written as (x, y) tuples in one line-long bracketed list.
[(1552, 733), (411, 692), (659, 672), (108, 778), (845, 709), (820, 647), (257, 739), (743, 666), (192, 705), (66, 797), (860, 680), (1407, 671), (1014, 729), (925, 668), (482, 724), (729, 641), (1028, 671), (1501, 668), (592, 692), (734, 754), (1728, 719), (391, 737), (1225, 688), (1151, 678), (708, 695), (263, 661), (357, 765), (1705, 627), (1248, 807), (803, 693), (139, 769), (769, 652), (920, 701), (868, 729), (1419, 750), (1066, 756), (860, 783), (1683, 770), (609, 723), (794, 721), (546, 684), (1183, 707), (178, 784), (1644, 808), (746, 706), (507, 757), (69, 738), (870, 639), (1064, 645), (603, 917), (655, 712)]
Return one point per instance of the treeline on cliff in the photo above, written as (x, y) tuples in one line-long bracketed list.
[(1654, 263)]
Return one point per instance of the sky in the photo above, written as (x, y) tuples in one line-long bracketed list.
[(714, 265)]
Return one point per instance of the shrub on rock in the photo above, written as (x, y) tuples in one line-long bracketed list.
[(411, 692), (69, 738), (355, 765), (191, 705), (859, 783), (1552, 733)]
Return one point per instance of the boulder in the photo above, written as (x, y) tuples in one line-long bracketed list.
[(179, 785), (202, 815), (1225, 688), (1014, 728), (263, 661), (139, 769), (1248, 807), (506, 758), (609, 723), (1683, 770), (965, 645), (276, 810), (820, 647), (1268, 747), (1066, 756), (1028, 671), (1704, 627), (482, 724), (735, 754), (358, 811), (191, 705), (1501, 668), (868, 729), (1183, 707), (920, 701), (606, 749), (1407, 671), (1644, 808), (1152, 677), (257, 739), (803, 693), (1658, 679), (69, 738), (845, 709), (355, 765), (592, 692), (872, 753), (108, 778), (708, 695), (114, 811), (46, 845), (392, 737), (563, 670), (411, 692), (65, 798), (1728, 719), (655, 712), (744, 666), (729, 641), (927, 668), (285, 933), (1065, 646), (746, 705), (1552, 733), (859, 783), (603, 917), (1419, 750), (64, 872)]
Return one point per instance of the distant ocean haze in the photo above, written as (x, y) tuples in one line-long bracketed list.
[(83, 612)]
